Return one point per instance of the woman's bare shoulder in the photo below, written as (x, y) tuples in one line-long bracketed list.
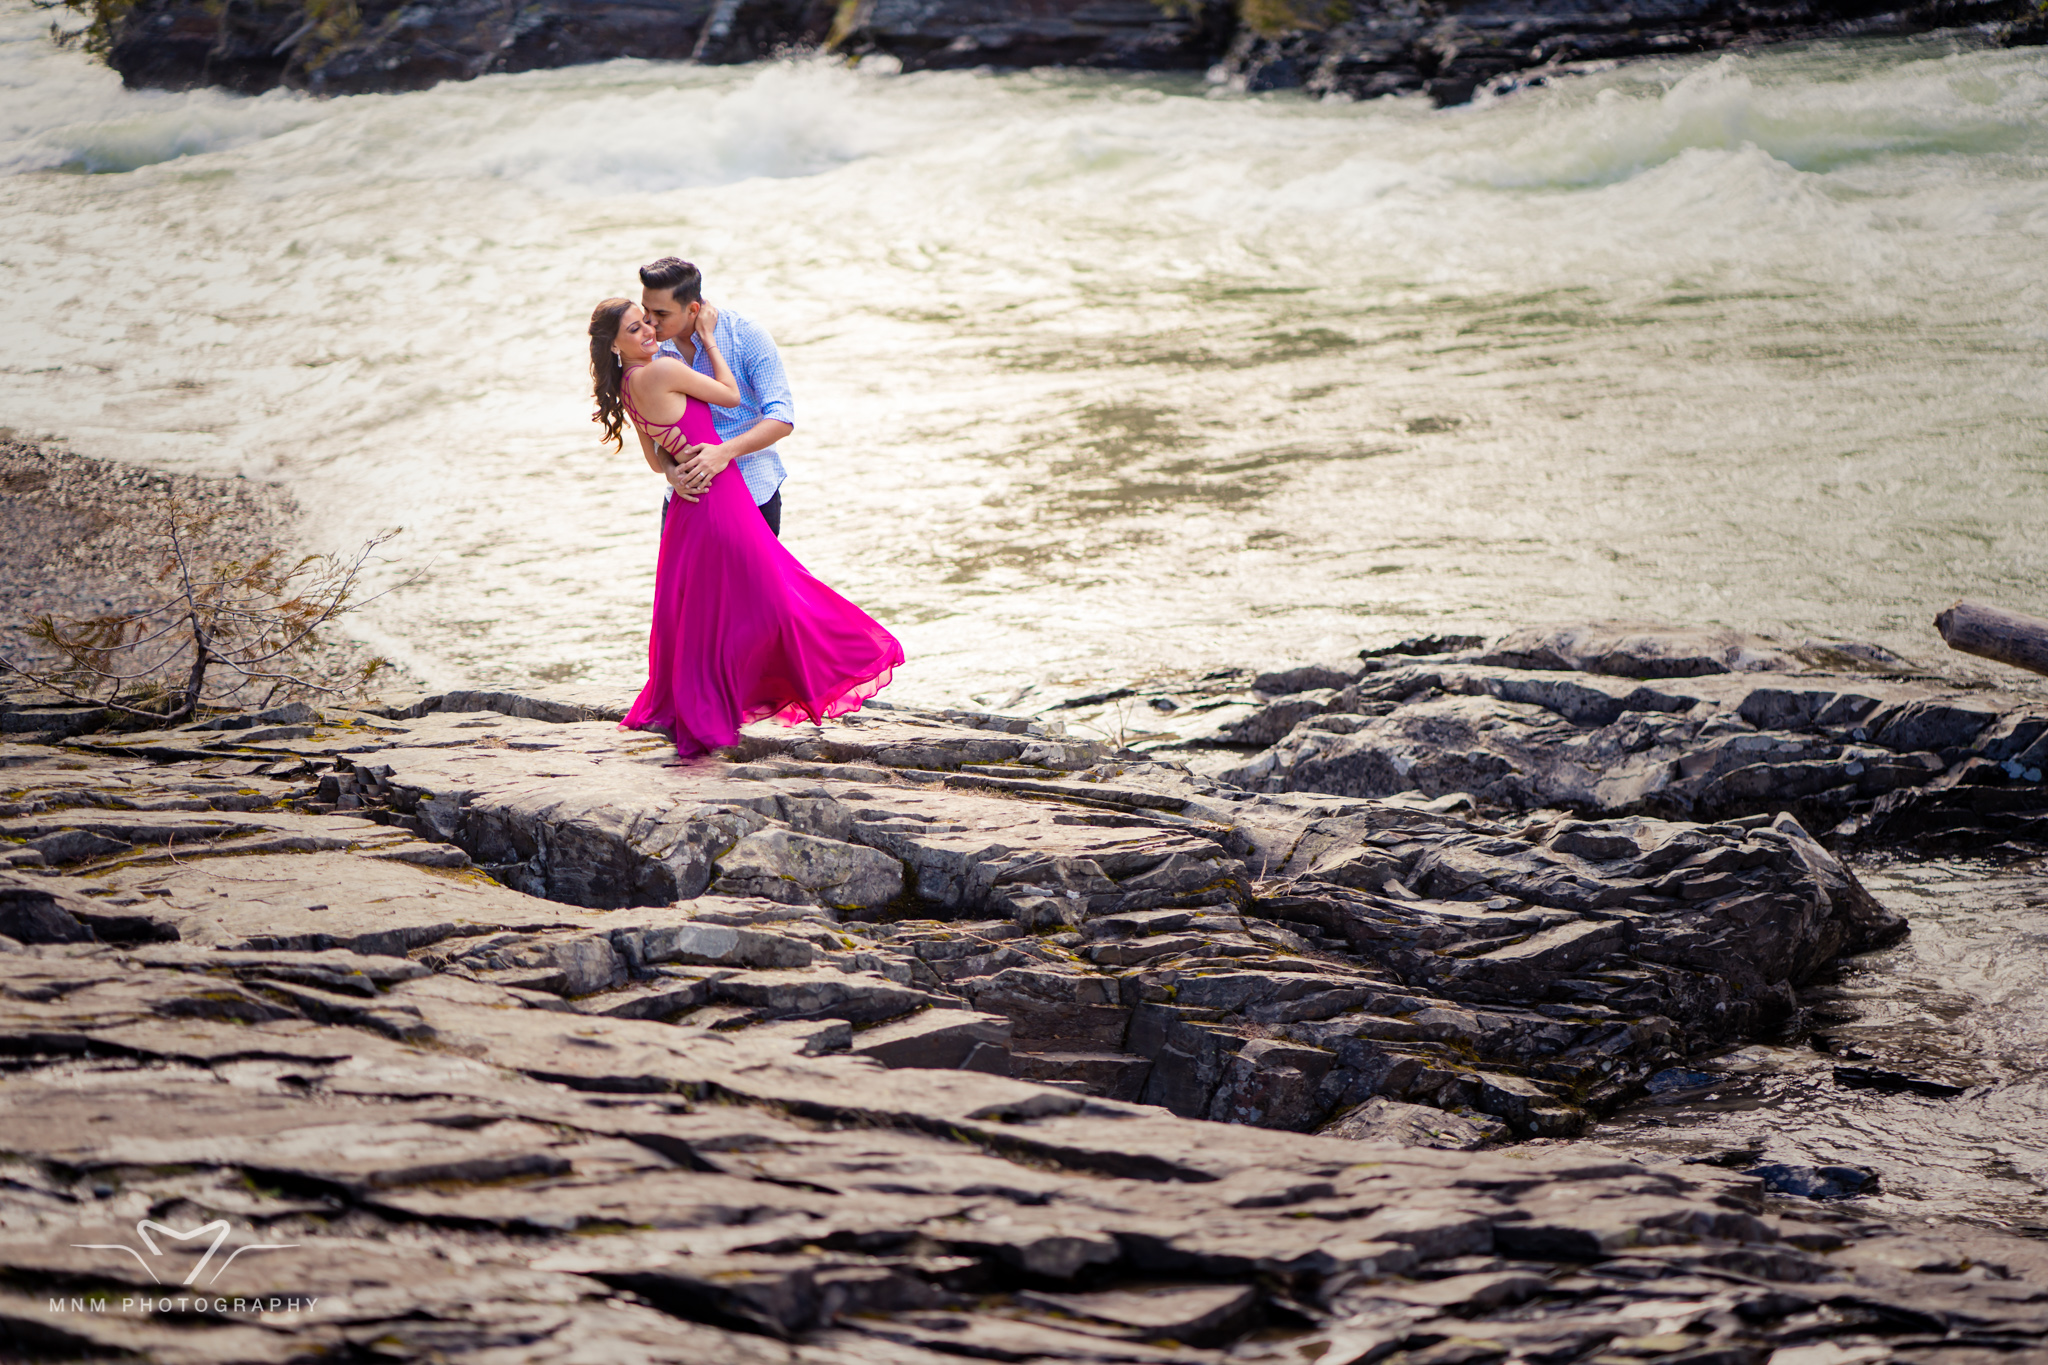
[(665, 370)]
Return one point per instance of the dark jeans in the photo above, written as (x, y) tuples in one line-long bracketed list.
[(771, 512)]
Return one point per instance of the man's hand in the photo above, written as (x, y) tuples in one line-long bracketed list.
[(678, 481), (700, 465), (704, 330)]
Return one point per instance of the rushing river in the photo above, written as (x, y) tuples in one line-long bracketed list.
[(1096, 375), (1102, 377)]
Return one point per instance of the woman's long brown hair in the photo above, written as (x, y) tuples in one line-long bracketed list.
[(607, 371)]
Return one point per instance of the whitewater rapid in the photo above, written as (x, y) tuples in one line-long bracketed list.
[(1097, 376)]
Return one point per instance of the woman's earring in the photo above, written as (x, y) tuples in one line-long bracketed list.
[(616, 356)]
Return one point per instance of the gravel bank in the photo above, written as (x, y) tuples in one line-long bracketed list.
[(80, 533)]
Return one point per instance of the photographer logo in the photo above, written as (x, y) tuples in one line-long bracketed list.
[(217, 1229)]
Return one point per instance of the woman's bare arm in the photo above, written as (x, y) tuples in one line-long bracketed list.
[(676, 377)]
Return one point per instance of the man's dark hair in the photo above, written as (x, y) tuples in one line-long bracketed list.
[(680, 278)]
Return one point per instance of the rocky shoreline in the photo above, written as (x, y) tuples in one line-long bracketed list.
[(924, 1034), (1356, 51)]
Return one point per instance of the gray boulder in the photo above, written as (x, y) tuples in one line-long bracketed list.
[(1415, 1125), (801, 869), (948, 1040)]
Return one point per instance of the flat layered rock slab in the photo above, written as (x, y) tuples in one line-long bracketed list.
[(586, 813), (656, 1189), (559, 703), (948, 1040), (1179, 1312), (196, 833), (321, 900), (893, 737), (410, 1301)]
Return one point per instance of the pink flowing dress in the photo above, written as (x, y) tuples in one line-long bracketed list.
[(741, 630)]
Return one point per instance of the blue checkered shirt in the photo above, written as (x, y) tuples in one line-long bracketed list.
[(764, 392)]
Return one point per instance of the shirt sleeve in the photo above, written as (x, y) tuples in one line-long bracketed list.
[(762, 372)]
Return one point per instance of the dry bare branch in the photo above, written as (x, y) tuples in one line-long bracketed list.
[(220, 633)]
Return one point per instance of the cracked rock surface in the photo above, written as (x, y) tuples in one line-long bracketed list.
[(498, 1182), (888, 1040)]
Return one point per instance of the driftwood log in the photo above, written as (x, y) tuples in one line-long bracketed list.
[(1994, 633)]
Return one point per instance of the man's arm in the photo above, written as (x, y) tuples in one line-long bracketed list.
[(760, 372), (759, 436)]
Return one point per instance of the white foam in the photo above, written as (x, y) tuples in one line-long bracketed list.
[(1608, 129), (60, 110), (637, 128), (615, 128)]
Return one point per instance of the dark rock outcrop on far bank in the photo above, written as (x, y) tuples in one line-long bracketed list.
[(1362, 51), (391, 45), (388, 45), (1449, 52), (1131, 35), (512, 1037)]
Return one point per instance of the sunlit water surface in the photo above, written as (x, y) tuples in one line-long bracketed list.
[(1102, 377)]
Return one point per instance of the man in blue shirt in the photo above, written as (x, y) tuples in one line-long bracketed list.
[(671, 293)]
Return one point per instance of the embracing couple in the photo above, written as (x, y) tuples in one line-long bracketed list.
[(741, 631)]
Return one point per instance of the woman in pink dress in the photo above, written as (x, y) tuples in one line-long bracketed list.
[(741, 630)]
